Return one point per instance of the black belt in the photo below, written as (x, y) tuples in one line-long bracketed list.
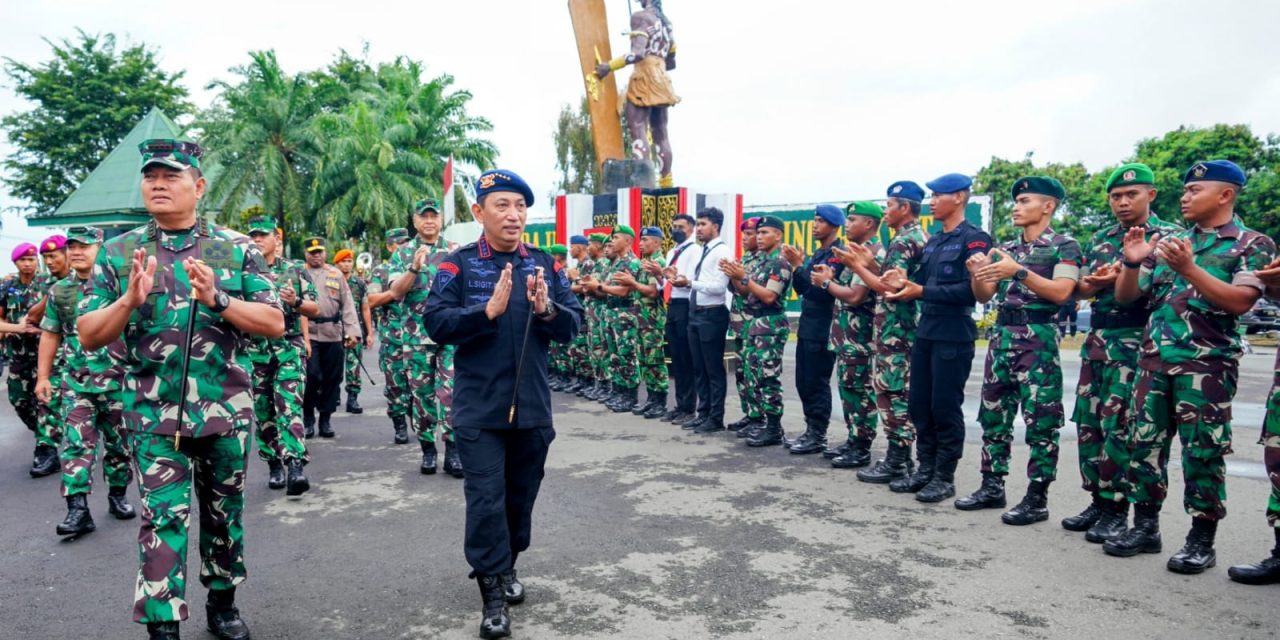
[(326, 320), (1132, 319), (1019, 317), (707, 307), (675, 300), (937, 309), (766, 313)]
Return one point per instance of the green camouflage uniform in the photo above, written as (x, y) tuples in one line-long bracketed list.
[(21, 351), (1189, 370), (767, 331), (391, 355), (624, 339), (852, 331), (1023, 367), (653, 333), (429, 366), (580, 348), (738, 329), (208, 454), (1109, 367), (604, 318), (1270, 441), (895, 329), (50, 415), (279, 373), (351, 374), (93, 402)]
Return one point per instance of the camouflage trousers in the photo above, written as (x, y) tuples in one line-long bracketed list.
[(624, 340), (94, 417), (212, 466), (22, 395), (653, 354), (1198, 407), (580, 353), (1104, 425), (1031, 380), (857, 397), (892, 375), (392, 360), (599, 345), (50, 415), (430, 380), (277, 405), (763, 373), (740, 374), (1271, 448), (351, 373)]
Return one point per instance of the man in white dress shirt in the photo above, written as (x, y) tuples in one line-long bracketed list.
[(699, 270)]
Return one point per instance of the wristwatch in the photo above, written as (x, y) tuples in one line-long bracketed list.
[(1021, 274), (220, 302), (824, 285), (746, 282), (550, 311)]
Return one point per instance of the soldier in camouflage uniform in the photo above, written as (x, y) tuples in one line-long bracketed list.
[(765, 289), (145, 285), (351, 374), (1030, 278), (1267, 570), (653, 325), (92, 382), (19, 296), (1109, 357), (1199, 279), (594, 252), (852, 338), (558, 364), (429, 365), (738, 329), (391, 357), (626, 278), (894, 325), (278, 369), (50, 412), (602, 319), (579, 363)]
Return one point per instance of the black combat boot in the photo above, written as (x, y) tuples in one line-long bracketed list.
[(496, 618), (858, 455), (297, 482), (656, 408), (401, 427), (693, 422), (1113, 523), (837, 451), (1197, 554), (78, 521), (308, 423), (769, 435), (275, 474), (989, 496), (593, 392), (555, 382), (163, 631), (739, 425), (575, 385), (452, 461), (1087, 518), (326, 429), (915, 481), (512, 588), (611, 396), (752, 429), (428, 466), (1144, 537), (942, 486), (44, 461), (223, 618), (353, 404), (1265, 571), (709, 426), (1033, 508), (813, 440), (118, 504), (893, 466), (641, 408), (627, 402)]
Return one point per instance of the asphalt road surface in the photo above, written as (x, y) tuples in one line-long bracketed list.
[(645, 531)]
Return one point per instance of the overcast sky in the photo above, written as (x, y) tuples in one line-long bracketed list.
[(798, 101)]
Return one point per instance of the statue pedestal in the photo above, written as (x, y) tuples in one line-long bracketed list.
[(625, 174)]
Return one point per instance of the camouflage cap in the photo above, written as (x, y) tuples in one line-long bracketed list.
[(84, 235), (313, 244), (261, 224), (423, 206), (175, 154), (398, 234)]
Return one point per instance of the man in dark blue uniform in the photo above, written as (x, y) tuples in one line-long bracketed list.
[(943, 352), (502, 302), (814, 361)]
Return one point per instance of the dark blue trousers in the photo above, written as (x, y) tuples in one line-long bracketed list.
[(935, 399)]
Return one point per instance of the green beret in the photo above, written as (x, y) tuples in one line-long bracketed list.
[(599, 237), (262, 224), (864, 208), (396, 235), (558, 250), (624, 229), (1042, 185), (1132, 173), (84, 235)]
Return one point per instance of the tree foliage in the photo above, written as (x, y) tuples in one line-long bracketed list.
[(85, 99), (575, 150)]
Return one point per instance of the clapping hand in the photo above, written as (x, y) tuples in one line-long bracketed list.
[(1177, 253), (1136, 246), (142, 276), (497, 304), (1104, 277), (820, 274), (733, 269), (537, 293), (793, 255), (997, 271)]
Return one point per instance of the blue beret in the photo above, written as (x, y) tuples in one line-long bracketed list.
[(1215, 171), (831, 214), (906, 190), (498, 180), (950, 183), (652, 232), (578, 240)]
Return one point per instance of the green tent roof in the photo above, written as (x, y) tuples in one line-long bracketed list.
[(110, 194)]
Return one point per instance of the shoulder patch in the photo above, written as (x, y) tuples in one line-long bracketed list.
[(978, 244)]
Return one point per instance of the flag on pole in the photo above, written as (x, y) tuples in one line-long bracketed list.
[(448, 192)]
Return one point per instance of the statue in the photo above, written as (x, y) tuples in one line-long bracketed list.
[(649, 92)]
